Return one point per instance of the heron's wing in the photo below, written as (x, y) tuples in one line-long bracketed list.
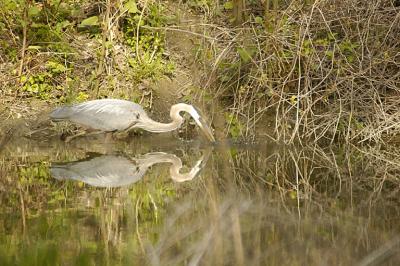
[(106, 114), (103, 171)]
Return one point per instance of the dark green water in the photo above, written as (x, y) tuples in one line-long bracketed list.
[(156, 200)]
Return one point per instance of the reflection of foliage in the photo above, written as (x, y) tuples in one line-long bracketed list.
[(34, 175), (150, 202), (87, 221), (69, 223), (36, 178)]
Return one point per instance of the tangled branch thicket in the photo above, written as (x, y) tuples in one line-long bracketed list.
[(317, 70), (325, 71)]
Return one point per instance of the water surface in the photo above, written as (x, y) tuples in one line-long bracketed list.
[(157, 200)]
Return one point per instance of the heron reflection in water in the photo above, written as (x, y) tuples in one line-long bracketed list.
[(110, 115), (119, 170)]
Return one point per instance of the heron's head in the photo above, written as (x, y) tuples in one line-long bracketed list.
[(197, 116)]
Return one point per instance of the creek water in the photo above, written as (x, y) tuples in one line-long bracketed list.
[(157, 200)]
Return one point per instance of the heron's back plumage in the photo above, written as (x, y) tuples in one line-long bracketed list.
[(104, 114), (61, 113)]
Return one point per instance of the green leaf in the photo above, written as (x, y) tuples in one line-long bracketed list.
[(259, 20), (228, 5), (332, 36), (329, 54), (10, 5), (34, 47), (293, 99), (350, 58), (33, 11), (131, 7), (63, 24), (37, 25), (91, 21), (245, 54), (82, 96), (55, 2), (56, 67)]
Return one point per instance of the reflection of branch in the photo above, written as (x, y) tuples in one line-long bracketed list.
[(378, 256), (23, 212), (137, 225), (4, 138)]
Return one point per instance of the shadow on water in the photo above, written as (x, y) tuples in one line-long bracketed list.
[(124, 203)]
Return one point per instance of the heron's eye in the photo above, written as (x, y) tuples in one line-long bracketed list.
[(137, 115)]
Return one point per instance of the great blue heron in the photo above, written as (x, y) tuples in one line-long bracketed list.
[(109, 115), (120, 170)]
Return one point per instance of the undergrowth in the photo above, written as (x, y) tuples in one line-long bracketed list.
[(294, 70), (147, 44), (65, 51), (315, 70)]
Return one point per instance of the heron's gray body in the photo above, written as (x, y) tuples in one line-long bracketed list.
[(104, 114), (118, 115)]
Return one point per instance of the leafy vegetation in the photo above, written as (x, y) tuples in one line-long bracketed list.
[(54, 42), (44, 85), (304, 67), (142, 34)]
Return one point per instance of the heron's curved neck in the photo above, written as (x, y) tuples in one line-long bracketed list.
[(154, 126), (177, 120), (158, 157)]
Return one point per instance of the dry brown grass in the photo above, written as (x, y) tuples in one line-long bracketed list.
[(322, 71)]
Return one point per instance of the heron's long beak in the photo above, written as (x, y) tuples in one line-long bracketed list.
[(205, 128)]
